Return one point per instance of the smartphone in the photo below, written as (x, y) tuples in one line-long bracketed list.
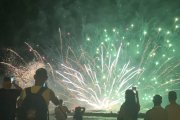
[(44, 85), (134, 89), (12, 79)]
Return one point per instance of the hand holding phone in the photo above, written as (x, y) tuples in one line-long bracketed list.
[(134, 89)]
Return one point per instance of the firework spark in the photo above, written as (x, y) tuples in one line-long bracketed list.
[(100, 71), (97, 85), (21, 70)]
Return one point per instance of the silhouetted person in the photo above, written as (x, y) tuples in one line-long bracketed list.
[(78, 113), (173, 109), (61, 111), (8, 98), (157, 112), (130, 108), (40, 77)]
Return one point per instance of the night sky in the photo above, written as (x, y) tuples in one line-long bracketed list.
[(37, 21), (107, 46)]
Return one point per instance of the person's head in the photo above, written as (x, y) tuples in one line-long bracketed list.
[(7, 82), (172, 96), (78, 109), (157, 100), (60, 101), (129, 96), (40, 76)]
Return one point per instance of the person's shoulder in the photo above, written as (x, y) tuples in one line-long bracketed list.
[(65, 107), (167, 106), (16, 91), (50, 90), (150, 111)]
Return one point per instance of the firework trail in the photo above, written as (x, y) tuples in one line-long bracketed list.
[(99, 71), (95, 85), (96, 73), (22, 71)]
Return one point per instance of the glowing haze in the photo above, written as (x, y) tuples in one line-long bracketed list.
[(109, 61)]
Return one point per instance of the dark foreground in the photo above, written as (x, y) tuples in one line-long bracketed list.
[(90, 118)]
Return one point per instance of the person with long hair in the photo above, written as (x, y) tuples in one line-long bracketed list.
[(130, 108)]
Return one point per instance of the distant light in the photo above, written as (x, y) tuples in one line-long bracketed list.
[(105, 30), (168, 32), (88, 39), (170, 45), (159, 29), (144, 32), (114, 30), (176, 19), (132, 25), (176, 26)]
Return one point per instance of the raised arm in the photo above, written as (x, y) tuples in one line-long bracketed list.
[(83, 109), (137, 99), (53, 98)]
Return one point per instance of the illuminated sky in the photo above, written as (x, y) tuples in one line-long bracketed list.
[(94, 31)]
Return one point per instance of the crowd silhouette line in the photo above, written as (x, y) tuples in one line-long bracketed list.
[(32, 103)]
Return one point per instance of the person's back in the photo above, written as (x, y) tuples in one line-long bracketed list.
[(173, 109), (61, 111), (8, 98), (48, 94), (126, 114), (130, 108), (78, 114), (36, 92), (157, 112)]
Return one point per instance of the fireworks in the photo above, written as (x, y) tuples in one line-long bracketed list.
[(109, 61), (112, 60), (98, 82), (20, 69)]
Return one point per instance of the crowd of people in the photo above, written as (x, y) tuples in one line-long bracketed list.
[(32, 103), (131, 107)]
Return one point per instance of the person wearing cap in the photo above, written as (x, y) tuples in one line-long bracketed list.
[(157, 112), (173, 109)]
